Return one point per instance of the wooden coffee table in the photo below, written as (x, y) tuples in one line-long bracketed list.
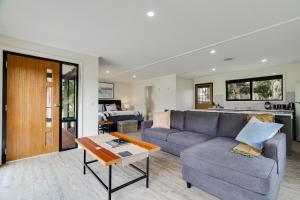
[(98, 148)]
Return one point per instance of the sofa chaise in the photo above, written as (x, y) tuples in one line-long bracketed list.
[(203, 141)]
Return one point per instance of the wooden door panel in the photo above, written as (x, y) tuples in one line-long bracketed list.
[(204, 101), (26, 104)]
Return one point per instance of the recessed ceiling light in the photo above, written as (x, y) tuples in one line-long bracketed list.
[(274, 73), (212, 51), (150, 13), (264, 60), (213, 69), (107, 71), (133, 76)]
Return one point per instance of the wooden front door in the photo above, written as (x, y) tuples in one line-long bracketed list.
[(32, 106), (204, 96)]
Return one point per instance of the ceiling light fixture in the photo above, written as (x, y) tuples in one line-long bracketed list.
[(213, 51), (133, 76), (264, 60), (229, 59), (213, 69), (150, 14), (107, 71)]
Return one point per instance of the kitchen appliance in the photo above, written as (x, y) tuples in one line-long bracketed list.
[(268, 105), (297, 110)]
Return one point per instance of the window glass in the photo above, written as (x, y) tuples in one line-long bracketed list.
[(267, 90)]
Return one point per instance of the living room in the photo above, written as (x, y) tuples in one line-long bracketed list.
[(150, 99)]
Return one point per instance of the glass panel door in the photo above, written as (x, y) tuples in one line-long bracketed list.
[(69, 94), (204, 96)]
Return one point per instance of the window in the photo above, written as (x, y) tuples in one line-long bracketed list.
[(268, 88), (239, 90), (204, 95)]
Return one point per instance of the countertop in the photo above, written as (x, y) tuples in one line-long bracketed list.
[(249, 111)]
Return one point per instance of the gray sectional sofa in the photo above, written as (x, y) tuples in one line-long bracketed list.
[(203, 141)]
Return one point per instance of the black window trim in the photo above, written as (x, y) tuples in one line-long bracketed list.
[(251, 80)]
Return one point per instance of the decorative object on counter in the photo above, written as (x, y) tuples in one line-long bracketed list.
[(268, 105), (281, 106), (217, 105), (291, 106)]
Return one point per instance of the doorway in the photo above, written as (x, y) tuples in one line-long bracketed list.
[(33, 107), (69, 94), (204, 96)]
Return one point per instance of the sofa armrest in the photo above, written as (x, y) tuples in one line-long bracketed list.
[(275, 148), (146, 124)]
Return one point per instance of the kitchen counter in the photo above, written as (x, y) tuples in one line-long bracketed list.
[(289, 113), (285, 117)]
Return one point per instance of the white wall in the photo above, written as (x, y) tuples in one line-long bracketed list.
[(164, 93), (123, 91), (184, 93), (291, 75), (88, 79)]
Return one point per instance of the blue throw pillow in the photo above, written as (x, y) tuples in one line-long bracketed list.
[(255, 133)]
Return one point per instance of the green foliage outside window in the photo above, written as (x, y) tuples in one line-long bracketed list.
[(263, 89)]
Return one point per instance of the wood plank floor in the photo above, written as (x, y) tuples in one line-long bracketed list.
[(59, 176)]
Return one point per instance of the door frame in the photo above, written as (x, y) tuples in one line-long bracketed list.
[(4, 96), (76, 106), (204, 84)]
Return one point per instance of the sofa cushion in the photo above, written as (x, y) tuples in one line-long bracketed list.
[(158, 133), (177, 119), (214, 159), (187, 139), (230, 124), (256, 133), (161, 120), (201, 122)]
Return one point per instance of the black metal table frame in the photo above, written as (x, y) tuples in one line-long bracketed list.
[(108, 187), (102, 128)]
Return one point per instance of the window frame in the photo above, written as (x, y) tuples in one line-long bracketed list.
[(251, 80)]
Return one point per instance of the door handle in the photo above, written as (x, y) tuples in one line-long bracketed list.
[(56, 105)]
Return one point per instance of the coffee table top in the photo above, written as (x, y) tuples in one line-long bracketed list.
[(106, 155)]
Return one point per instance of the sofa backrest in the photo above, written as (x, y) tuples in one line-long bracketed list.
[(230, 124), (201, 122), (177, 119)]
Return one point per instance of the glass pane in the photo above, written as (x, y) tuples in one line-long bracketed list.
[(203, 95), (49, 139), (238, 91), (68, 107), (49, 97), (49, 75), (267, 90), (48, 122), (69, 93), (68, 135), (49, 108)]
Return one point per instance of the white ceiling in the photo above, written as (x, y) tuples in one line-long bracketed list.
[(177, 40)]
